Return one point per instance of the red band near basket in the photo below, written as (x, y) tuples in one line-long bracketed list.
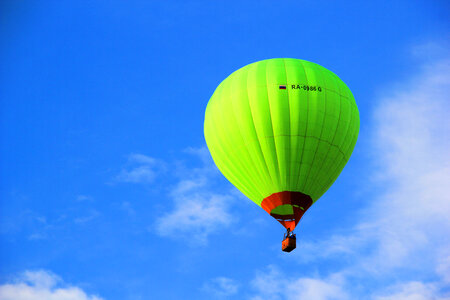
[(300, 203)]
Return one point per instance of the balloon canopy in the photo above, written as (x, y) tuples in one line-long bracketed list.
[(281, 130)]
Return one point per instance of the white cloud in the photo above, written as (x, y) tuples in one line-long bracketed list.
[(430, 51), (87, 218), (142, 159), (411, 291), (140, 169), (221, 287), (40, 285), (198, 211), (275, 285), (82, 198), (410, 214), (128, 208), (199, 215), (443, 266)]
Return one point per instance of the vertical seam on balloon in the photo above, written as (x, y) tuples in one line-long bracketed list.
[(330, 178), (331, 145), (319, 140), (245, 170), (355, 132), (260, 154), (353, 143), (344, 158), (258, 137), (306, 127), (277, 184), (348, 129), (220, 148), (334, 135), (225, 169), (288, 157), (258, 176), (242, 181), (297, 150), (233, 166)]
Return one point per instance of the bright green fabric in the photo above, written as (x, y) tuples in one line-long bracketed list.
[(265, 139)]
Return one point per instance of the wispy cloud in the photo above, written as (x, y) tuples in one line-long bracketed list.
[(140, 169), (405, 229), (410, 214), (127, 207), (198, 210), (198, 206), (273, 284), (92, 214), (38, 285), (82, 198), (34, 225), (411, 291), (412, 138), (221, 287)]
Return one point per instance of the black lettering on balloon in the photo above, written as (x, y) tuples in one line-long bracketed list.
[(310, 88)]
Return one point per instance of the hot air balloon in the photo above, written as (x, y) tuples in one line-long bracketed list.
[(281, 130)]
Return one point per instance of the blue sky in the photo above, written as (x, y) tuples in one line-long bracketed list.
[(108, 192)]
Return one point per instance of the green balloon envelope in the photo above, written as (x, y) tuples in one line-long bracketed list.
[(281, 130)]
